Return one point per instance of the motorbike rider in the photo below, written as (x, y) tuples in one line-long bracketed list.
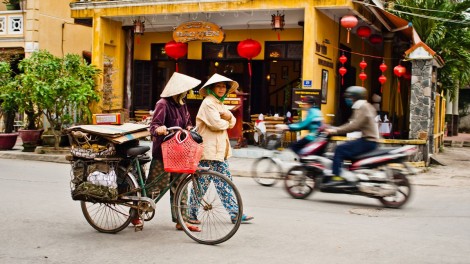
[(312, 122), (363, 120)]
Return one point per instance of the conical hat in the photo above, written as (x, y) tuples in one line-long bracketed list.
[(215, 79), (179, 83)]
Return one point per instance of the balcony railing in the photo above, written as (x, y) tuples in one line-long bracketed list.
[(11, 23)]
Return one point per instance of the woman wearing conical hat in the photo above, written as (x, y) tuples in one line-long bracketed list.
[(213, 119), (170, 111)]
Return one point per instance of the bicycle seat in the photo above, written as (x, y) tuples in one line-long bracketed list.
[(136, 151)]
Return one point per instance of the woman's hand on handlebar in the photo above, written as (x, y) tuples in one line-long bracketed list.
[(162, 130)]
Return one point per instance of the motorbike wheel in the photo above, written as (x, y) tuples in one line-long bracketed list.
[(402, 194), (297, 184)]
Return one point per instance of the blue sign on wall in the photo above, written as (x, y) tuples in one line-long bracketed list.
[(307, 83)]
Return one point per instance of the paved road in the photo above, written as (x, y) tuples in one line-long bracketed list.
[(41, 224)]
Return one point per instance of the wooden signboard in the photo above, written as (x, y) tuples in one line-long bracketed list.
[(198, 30)]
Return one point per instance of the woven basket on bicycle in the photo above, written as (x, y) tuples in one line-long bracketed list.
[(181, 153)]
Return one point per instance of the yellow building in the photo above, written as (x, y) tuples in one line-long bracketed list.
[(130, 37), (42, 24)]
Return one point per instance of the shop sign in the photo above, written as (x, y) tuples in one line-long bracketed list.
[(298, 93), (198, 30)]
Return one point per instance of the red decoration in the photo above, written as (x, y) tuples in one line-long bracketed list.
[(363, 77), (383, 67), (399, 70), (176, 50), (343, 59), (364, 31), (382, 79), (363, 64), (375, 39), (342, 71), (348, 22), (249, 49)]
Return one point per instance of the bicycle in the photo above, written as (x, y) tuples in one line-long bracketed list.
[(112, 216), (268, 170)]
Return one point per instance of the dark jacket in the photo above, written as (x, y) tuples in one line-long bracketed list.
[(167, 113)]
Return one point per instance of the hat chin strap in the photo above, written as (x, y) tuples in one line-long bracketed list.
[(209, 91)]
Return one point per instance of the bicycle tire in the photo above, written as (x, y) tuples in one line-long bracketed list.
[(216, 225), (298, 184), (266, 172), (112, 217)]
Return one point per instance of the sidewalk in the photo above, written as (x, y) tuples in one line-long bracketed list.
[(461, 140)]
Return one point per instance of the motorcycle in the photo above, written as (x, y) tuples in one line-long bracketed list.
[(381, 174)]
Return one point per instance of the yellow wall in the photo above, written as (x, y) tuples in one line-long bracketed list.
[(142, 50), (57, 32)]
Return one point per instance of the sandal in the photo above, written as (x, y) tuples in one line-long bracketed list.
[(245, 219), (190, 227), (137, 222), (194, 221)]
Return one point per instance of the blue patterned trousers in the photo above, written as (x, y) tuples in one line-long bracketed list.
[(224, 191)]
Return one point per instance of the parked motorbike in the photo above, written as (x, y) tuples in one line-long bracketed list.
[(381, 174)]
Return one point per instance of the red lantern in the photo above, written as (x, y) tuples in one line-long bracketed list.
[(375, 39), (249, 49), (348, 22), (363, 64), (342, 71), (343, 59), (363, 77), (176, 50), (399, 70), (382, 80), (364, 31), (383, 67)]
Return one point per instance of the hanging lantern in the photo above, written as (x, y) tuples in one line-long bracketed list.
[(249, 49), (277, 23), (343, 59), (139, 27), (399, 70), (383, 67), (176, 50), (375, 39), (363, 64), (363, 77), (342, 71), (348, 22), (363, 32), (382, 80)]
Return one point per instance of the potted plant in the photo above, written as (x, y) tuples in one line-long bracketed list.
[(59, 87), (7, 106), (12, 4)]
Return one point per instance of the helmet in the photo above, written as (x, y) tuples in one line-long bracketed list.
[(309, 100), (355, 93)]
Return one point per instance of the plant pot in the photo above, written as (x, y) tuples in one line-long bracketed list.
[(31, 138), (12, 6), (8, 140)]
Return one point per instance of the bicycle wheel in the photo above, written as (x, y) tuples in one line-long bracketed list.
[(207, 191), (297, 184), (266, 171), (112, 217)]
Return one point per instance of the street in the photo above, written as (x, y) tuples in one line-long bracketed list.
[(42, 224)]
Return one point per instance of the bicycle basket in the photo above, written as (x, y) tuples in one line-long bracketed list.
[(181, 153)]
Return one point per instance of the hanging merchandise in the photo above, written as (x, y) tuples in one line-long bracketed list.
[(348, 22), (363, 64), (176, 50), (249, 49), (343, 59), (363, 77), (277, 23), (363, 32)]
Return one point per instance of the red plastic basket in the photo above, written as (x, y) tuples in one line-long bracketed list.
[(181, 155)]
